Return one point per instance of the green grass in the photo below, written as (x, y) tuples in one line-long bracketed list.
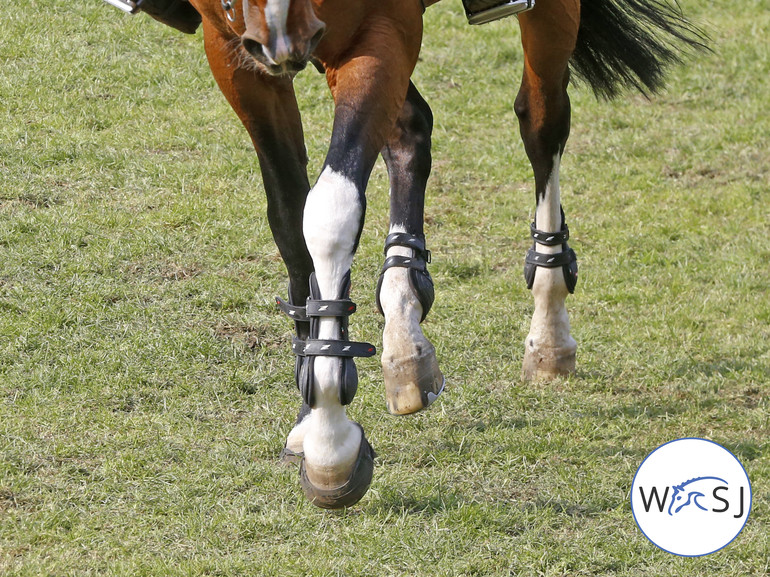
[(146, 380)]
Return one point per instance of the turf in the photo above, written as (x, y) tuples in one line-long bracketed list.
[(146, 381)]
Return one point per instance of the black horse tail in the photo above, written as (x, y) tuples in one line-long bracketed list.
[(631, 43)]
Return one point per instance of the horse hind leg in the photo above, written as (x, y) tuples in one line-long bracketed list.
[(543, 109), (405, 293)]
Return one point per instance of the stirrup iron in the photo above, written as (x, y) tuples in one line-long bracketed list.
[(128, 6), (483, 11)]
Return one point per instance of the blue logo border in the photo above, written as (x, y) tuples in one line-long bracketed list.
[(631, 497)]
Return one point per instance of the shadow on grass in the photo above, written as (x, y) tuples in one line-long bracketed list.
[(574, 510), (394, 500), (746, 451), (721, 368), (33, 199), (443, 502), (637, 410)]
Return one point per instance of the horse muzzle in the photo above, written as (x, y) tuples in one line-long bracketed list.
[(283, 55)]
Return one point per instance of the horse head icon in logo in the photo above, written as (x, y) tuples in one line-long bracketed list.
[(689, 492)]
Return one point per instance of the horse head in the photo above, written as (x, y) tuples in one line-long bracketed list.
[(281, 34), (690, 490)]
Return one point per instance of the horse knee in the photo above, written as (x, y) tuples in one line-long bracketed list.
[(421, 117), (411, 141), (521, 106)]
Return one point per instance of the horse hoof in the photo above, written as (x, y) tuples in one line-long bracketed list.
[(290, 458), (349, 493), (412, 383), (545, 364)]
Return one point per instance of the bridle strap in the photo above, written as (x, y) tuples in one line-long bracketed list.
[(229, 7)]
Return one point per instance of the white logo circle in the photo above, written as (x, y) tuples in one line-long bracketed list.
[(691, 497)]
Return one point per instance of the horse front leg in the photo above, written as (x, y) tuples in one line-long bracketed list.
[(267, 107), (405, 292), (543, 109), (337, 464), (369, 88)]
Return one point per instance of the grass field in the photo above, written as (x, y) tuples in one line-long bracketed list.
[(146, 379)]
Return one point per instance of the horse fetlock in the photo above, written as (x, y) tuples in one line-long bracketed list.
[(549, 290), (405, 287), (328, 458), (549, 347), (293, 450), (335, 380), (327, 374), (412, 377)]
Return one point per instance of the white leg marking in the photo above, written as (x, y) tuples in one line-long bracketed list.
[(548, 213), (400, 306), (549, 334), (333, 214), (409, 365), (296, 439)]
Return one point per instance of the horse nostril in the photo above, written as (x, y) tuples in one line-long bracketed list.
[(317, 38), (252, 47)]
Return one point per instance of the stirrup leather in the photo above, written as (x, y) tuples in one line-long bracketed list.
[(179, 14), (306, 350), (566, 259), (419, 277)]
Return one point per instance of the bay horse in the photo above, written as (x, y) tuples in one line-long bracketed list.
[(368, 50)]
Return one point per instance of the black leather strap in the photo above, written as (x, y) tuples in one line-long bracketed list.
[(328, 348), (306, 350), (294, 312), (416, 243), (550, 260), (550, 238), (329, 308), (567, 259), (404, 262)]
